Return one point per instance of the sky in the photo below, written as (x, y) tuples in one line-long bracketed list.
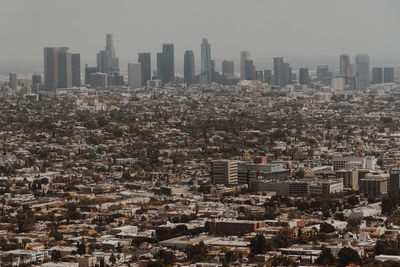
[(303, 31)]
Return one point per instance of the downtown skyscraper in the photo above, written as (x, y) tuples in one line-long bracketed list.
[(362, 71), (145, 60), (206, 67), (165, 63), (244, 55), (61, 68), (279, 71), (345, 66), (189, 67), (107, 62)]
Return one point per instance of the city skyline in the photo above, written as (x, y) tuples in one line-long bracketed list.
[(301, 32)]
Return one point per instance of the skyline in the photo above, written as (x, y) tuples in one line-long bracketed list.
[(267, 29)]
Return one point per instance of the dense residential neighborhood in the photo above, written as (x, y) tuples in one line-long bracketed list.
[(200, 175)]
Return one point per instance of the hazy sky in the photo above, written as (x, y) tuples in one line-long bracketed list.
[(310, 29)]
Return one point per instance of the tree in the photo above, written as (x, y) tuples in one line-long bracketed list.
[(326, 228), (259, 245), (113, 259), (166, 257), (284, 238), (154, 264), (353, 200), (196, 253), (347, 256), (55, 255), (81, 248), (325, 258), (353, 225)]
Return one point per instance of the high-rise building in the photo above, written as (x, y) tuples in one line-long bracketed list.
[(244, 55), (189, 67), (113, 61), (145, 60), (64, 69), (224, 172), (287, 74), (228, 70), (36, 79), (268, 76), (279, 76), (51, 66), (107, 62), (165, 64), (98, 80), (206, 60), (13, 81), (388, 75), (135, 75), (303, 76), (323, 74), (345, 66), (88, 71), (76, 70), (338, 83), (102, 62), (249, 70), (259, 75), (377, 76), (214, 73), (362, 71), (36, 83)]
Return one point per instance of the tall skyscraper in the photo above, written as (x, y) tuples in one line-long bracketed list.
[(51, 66), (268, 76), (287, 74), (303, 76), (88, 71), (102, 62), (228, 69), (377, 76), (388, 75), (279, 76), (244, 55), (362, 71), (145, 60), (36, 83), (323, 74), (107, 62), (135, 75), (206, 60), (113, 61), (76, 70), (165, 64), (189, 67), (249, 70), (64, 69), (345, 66), (13, 81)]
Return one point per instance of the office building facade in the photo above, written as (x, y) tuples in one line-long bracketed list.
[(377, 75), (362, 71), (303, 76), (279, 76), (165, 64), (228, 70), (13, 81), (134, 75), (206, 61), (224, 172), (145, 60), (189, 67)]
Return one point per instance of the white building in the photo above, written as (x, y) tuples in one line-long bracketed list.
[(338, 83), (135, 75)]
